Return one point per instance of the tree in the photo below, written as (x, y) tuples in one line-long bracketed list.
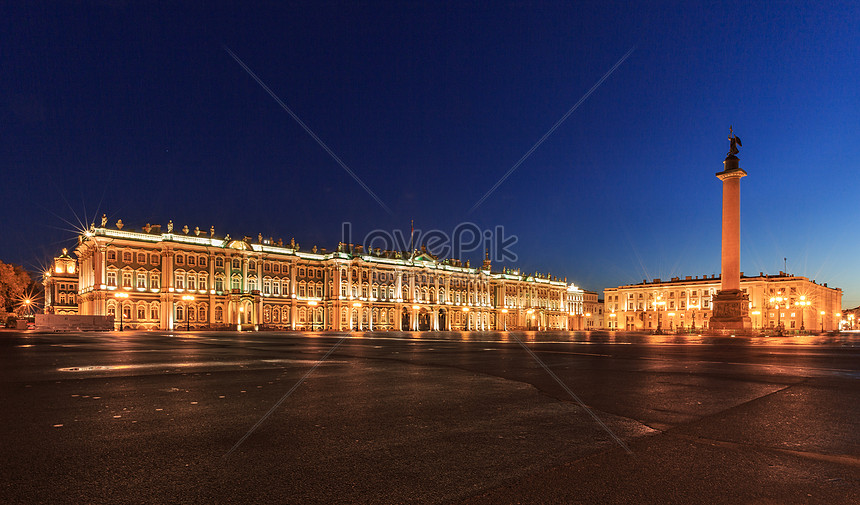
[(14, 281)]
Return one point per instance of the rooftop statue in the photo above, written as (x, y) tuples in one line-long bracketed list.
[(734, 142)]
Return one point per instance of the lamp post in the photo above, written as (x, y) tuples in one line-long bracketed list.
[(657, 304), (822, 314), (357, 305), (312, 303), (466, 315), (120, 297), (803, 303), (505, 319), (188, 299), (775, 301)]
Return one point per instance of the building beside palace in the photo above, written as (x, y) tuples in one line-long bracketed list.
[(154, 279), (786, 301), (61, 285), (592, 307)]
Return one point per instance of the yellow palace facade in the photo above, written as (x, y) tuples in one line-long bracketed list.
[(150, 279)]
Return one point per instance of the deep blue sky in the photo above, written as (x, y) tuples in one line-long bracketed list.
[(139, 112)]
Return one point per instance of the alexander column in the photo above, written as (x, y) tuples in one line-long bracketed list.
[(731, 305)]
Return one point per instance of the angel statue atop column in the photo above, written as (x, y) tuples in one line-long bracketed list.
[(734, 142)]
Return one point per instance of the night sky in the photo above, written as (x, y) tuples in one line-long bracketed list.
[(140, 112)]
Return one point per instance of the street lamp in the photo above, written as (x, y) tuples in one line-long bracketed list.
[(188, 299), (803, 303), (657, 304), (120, 296), (466, 309), (775, 301), (822, 314), (505, 318)]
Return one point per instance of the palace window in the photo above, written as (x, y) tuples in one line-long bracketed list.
[(190, 260), (267, 267), (201, 313), (126, 311), (276, 287), (236, 282), (252, 284), (202, 261), (141, 280), (192, 281), (153, 280), (237, 264), (141, 312), (141, 258), (219, 314), (153, 258), (179, 280), (276, 268), (302, 288), (180, 259), (267, 287), (111, 278), (180, 313), (252, 265), (219, 262), (126, 279), (153, 312), (111, 255), (126, 257), (219, 283)]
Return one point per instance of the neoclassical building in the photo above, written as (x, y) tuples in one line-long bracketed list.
[(791, 302), (61, 285), (154, 279)]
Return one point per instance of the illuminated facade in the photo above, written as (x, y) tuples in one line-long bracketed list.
[(786, 301), (166, 280), (61, 285), (592, 307)]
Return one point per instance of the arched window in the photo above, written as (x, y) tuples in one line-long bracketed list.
[(252, 283), (153, 311), (126, 256), (179, 279), (111, 278), (111, 255), (219, 262), (237, 264), (141, 311), (276, 315), (201, 313), (154, 280), (219, 283), (202, 261), (203, 281), (276, 287), (236, 282), (252, 265), (219, 314)]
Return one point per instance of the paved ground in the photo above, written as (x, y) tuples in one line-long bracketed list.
[(141, 417)]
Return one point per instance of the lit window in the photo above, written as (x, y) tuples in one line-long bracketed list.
[(126, 279), (153, 280), (219, 284), (141, 312), (141, 280), (180, 280), (192, 281), (111, 278)]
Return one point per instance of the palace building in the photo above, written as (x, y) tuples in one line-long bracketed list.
[(61, 285), (154, 279), (789, 302)]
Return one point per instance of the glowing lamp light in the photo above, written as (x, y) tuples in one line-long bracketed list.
[(465, 309), (312, 303), (356, 304), (505, 311), (416, 307)]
